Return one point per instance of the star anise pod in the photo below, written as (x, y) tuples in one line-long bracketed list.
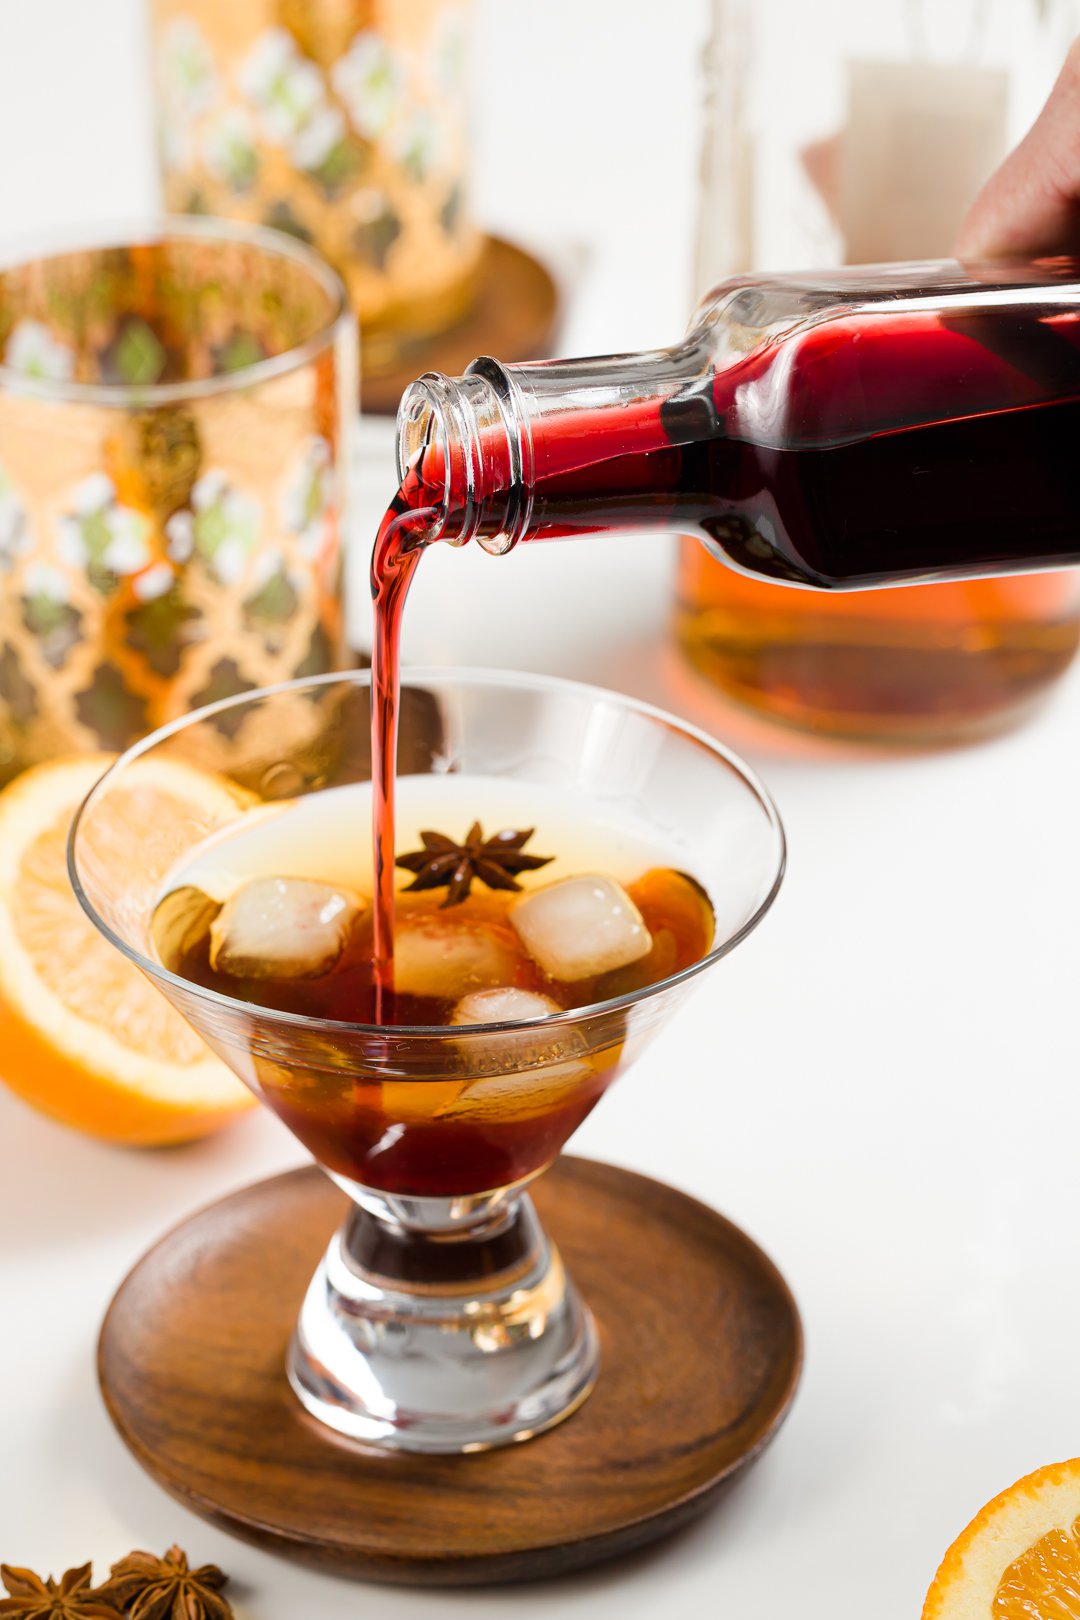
[(149, 1588), (443, 864), (70, 1598)]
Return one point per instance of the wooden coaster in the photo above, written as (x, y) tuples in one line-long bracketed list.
[(512, 317), (701, 1355)]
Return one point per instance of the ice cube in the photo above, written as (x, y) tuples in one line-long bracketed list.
[(443, 955), (581, 926), (523, 1093), (503, 1006), (282, 928), (512, 1051)]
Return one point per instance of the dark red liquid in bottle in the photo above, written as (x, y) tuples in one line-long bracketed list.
[(910, 449), (875, 449)]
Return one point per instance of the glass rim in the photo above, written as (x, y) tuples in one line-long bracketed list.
[(162, 228), (416, 675)]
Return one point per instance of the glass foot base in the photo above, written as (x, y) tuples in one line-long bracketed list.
[(452, 1340), (700, 1366)]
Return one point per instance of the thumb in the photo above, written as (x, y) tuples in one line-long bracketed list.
[(1031, 206)]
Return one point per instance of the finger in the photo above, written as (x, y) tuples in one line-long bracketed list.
[(1031, 206)]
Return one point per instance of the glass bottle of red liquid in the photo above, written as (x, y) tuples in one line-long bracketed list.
[(868, 426)]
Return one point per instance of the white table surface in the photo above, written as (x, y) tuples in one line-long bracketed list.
[(879, 1085)]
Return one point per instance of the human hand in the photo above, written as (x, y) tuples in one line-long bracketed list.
[(1030, 208)]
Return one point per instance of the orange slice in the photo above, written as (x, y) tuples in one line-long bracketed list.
[(84, 1036), (1019, 1559)]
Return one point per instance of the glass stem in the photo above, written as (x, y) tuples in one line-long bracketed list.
[(453, 1336)]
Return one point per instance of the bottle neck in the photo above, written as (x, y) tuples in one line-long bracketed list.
[(486, 450)]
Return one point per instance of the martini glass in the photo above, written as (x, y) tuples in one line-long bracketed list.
[(441, 1318)]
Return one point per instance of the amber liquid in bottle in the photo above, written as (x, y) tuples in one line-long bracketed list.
[(926, 664)]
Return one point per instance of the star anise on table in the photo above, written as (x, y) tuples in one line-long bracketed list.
[(147, 1588), (70, 1598), (495, 861)]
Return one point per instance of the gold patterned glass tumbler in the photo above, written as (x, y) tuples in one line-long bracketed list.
[(343, 122), (174, 418)]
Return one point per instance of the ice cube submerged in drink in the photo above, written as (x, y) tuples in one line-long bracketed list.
[(514, 906)]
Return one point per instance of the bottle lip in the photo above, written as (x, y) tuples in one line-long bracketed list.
[(448, 426), (423, 432)]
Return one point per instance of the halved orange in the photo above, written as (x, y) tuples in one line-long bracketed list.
[(1019, 1558), (84, 1036)]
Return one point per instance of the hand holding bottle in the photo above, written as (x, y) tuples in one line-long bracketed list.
[(1031, 206)]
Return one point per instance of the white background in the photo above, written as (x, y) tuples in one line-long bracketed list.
[(880, 1085)]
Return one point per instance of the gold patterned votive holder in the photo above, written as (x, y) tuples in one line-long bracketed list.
[(343, 122), (174, 422)]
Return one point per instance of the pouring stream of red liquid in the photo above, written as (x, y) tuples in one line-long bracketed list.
[(399, 546)]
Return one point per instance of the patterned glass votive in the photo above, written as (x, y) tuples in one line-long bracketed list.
[(174, 414), (343, 122)]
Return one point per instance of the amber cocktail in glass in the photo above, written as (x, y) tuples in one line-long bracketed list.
[(570, 861)]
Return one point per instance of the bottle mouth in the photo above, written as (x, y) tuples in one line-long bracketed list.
[(461, 452), (423, 453)]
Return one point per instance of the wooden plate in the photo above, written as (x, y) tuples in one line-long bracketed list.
[(512, 316), (701, 1356)]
